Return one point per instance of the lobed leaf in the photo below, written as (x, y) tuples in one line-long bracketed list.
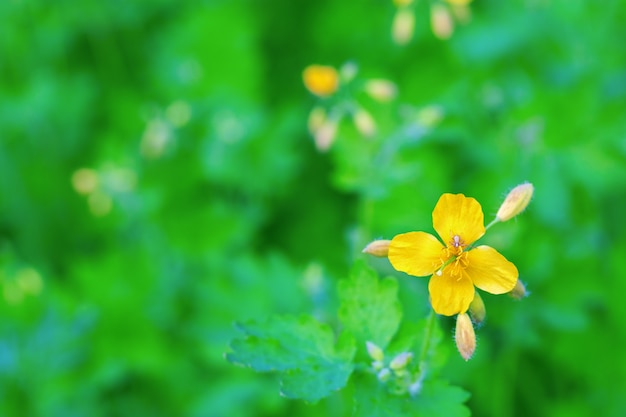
[(303, 352), (369, 309)]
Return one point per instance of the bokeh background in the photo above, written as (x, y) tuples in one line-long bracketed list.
[(158, 183)]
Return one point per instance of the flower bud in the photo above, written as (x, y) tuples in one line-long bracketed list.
[(378, 248), (364, 122), (325, 135), (381, 90), (519, 291), (515, 202), (378, 365), (320, 80), (384, 375), (464, 336), (441, 21), (348, 71), (401, 361), (316, 119), (374, 351), (477, 309), (402, 27), (459, 2)]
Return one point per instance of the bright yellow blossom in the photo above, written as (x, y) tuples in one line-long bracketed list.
[(321, 80), (455, 266)]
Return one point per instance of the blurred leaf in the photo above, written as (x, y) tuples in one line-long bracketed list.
[(369, 309), (435, 399), (301, 350)]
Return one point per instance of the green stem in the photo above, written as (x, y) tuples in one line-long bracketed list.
[(494, 221), (430, 324)]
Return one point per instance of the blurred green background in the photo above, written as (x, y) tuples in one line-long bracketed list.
[(158, 183)]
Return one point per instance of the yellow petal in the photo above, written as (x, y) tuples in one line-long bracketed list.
[(449, 294), (457, 215), (416, 253), (490, 271)]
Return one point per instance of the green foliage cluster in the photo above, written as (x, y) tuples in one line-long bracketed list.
[(158, 184)]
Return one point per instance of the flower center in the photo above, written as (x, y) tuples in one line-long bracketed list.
[(454, 257)]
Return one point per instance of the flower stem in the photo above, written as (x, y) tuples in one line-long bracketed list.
[(494, 221), (430, 323)]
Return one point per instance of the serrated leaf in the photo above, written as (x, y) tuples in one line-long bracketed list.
[(436, 399), (369, 309), (303, 352)]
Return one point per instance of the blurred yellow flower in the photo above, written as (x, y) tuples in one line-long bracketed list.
[(321, 80), (455, 267)]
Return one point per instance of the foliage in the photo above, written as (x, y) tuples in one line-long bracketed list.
[(158, 183)]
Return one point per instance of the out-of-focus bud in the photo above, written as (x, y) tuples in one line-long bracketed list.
[(519, 291), (459, 2), (85, 180), (462, 13), (402, 3), (348, 71), (378, 365), (464, 336), (401, 361), (325, 135), (515, 202), (364, 122), (316, 120), (374, 351), (430, 116), (378, 248), (402, 27), (477, 309), (381, 90), (384, 375), (320, 80), (441, 21)]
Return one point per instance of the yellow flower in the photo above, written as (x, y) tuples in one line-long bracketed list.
[(455, 266), (321, 80)]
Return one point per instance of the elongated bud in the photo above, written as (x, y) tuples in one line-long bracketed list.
[(477, 309), (401, 361), (459, 2), (325, 135), (515, 202), (381, 90), (402, 26), (364, 122), (441, 21), (316, 119), (384, 375), (519, 291), (464, 336), (378, 248), (321, 80), (374, 351)]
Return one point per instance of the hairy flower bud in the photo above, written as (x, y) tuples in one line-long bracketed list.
[(378, 248), (477, 309), (464, 336), (384, 375), (441, 21), (364, 122), (519, 291), (401, 361), (402, 26), (374, 351), (381, 90), (515, 202)]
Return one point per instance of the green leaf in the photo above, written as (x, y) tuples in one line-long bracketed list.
[(435, 399), (369, 309), (302, 350)]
